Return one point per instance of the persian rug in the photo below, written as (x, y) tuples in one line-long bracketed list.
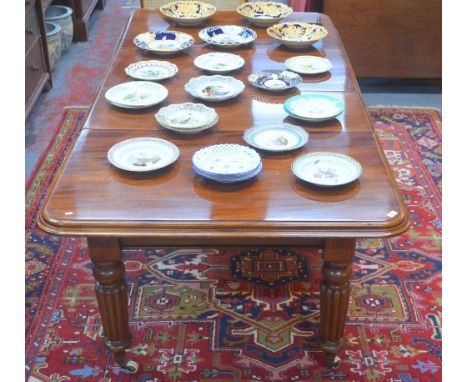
[(199, 314)]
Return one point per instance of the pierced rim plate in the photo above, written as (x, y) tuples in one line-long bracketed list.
[(275, 80), (227, 36), (151, 70), (219, 62), (214, 88), (187, 117), (163, 42), (136, 94), (143, 154), (327, 169), (308, 64), (313, 107), (226, 160), (276, 138)]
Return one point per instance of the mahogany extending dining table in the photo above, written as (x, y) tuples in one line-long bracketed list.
[(175, 207)]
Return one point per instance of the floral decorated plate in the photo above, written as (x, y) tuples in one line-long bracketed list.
[(227, 36), (313, 107), (214, 88), (297, 35), (326, 169), (308, 64), (152, 70), (275, 80), (136, 94), (143, 154), (277, 138), (219, 62), (163, 42), (187, 117), (188, 13), (226, 160), (264, 13)]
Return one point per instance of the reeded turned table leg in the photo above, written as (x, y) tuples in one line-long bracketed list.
[(334, 294), (111, 294)]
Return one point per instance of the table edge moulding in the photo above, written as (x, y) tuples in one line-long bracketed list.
[(68, 209)]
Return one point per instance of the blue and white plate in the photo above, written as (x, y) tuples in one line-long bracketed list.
[(275, 80), (313, 107), (227, 163), (227, 36), (276, 138), (163, 42)]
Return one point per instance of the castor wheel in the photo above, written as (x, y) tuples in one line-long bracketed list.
[(332, 361), (132, 367)]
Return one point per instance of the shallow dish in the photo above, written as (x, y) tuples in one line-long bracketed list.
[(219, 62), (326, 169), (308, 64), (227, 36), (136, 94), (214, 88), (152, 70), (188, 13), (231, 179), (226, 160), (187, 117), (143, 154), (277, 138), (297, 35), (264, 13), (275, 80), (313, 107), (163, 42)]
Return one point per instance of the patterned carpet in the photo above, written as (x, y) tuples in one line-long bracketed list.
[(196, 316)]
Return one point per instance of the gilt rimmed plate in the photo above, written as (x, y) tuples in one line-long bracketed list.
[(219, 62), (277, 138), (188, 13), (227, 36), (297, 35), (136, 94), (326, 169), (264, 13), (308, 64), (226, 160), (143, 154), (214, 88), (275, 80), (187, 117), (163, 42), (151, 70), (313, 107)]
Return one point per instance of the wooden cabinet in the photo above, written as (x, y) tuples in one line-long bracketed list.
[(390, 38), (37, 68), (82, 10)]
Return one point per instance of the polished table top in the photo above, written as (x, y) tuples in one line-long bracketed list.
[(90, 197)]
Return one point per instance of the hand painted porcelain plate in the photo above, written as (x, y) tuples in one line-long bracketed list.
[(326, 169), (313, 107), (277, 138), (264, 13), (188, 13), (163, 42), (143, 154), (136, 94), (219, 62), (275, 80), (227, 36), (297, 35), (214, 88), (187, 118), (152, 70), (308, 64), (226, 160)]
